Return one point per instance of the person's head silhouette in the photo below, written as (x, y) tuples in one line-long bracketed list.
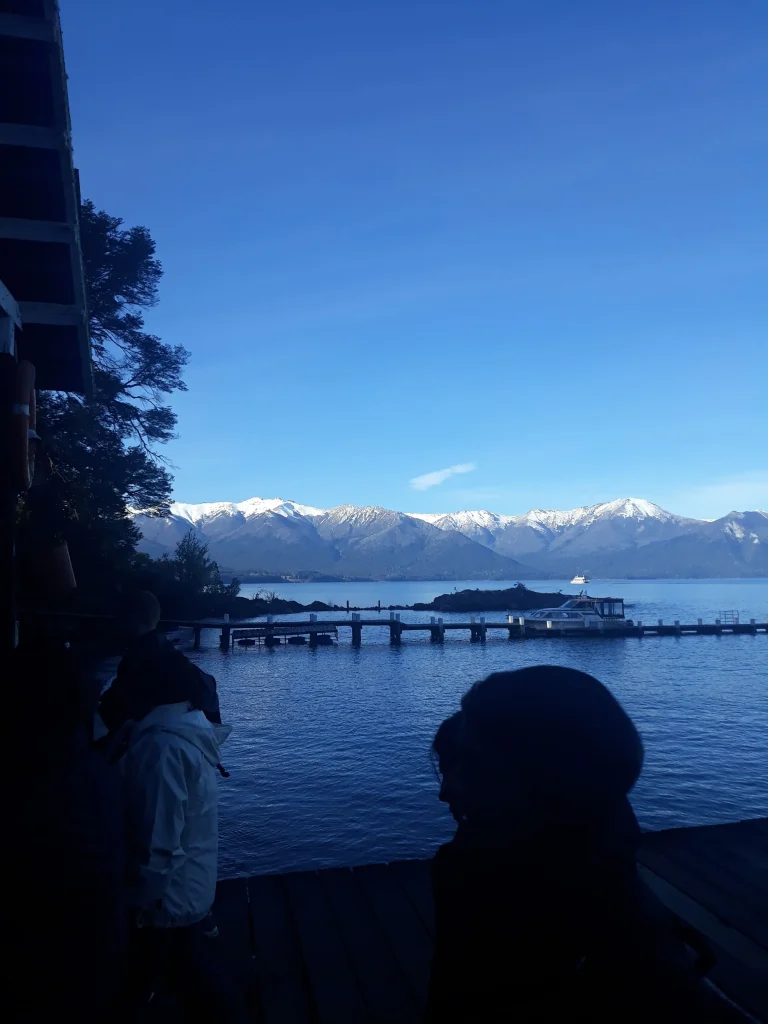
[(543, 745)]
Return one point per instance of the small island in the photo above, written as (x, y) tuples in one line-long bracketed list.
[(515, 599)]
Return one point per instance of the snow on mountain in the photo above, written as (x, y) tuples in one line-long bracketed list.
[(208, 510), (628, 536), (463, 520), (552, 519)]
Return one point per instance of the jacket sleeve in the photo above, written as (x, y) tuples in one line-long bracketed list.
[(157, 807), (114, 707)]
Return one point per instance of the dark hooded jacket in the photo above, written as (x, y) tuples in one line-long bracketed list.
[(544, 917), (152, 672)]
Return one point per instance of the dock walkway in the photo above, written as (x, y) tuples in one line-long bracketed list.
[(516, 627), (354, 945)]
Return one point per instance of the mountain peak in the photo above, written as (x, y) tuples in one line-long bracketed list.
[(636, 508)]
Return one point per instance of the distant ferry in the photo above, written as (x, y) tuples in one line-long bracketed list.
[(581, 579), (582, 612)]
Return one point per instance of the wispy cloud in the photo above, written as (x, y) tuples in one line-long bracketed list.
[(439, 476)]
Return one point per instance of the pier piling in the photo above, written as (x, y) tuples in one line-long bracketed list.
[(395, 628), (357, 629)]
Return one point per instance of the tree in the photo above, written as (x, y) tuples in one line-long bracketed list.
[(189, 583), (133, 370), (193, 569), (104, 452)]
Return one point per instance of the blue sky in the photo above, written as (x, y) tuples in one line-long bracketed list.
[(527, 237)]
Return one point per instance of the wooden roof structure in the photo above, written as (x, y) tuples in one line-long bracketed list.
[(40, 257)]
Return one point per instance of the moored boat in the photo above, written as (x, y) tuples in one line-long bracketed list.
[(580, 613)]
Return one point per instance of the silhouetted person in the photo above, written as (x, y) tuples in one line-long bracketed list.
[(65, 920), (159, 711), (540, 912), (152, 671)]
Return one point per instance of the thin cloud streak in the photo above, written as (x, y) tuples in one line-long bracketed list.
[(439, 476)]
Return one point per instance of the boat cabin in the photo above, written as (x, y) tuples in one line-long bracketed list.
[(605, 607), (580, 612)]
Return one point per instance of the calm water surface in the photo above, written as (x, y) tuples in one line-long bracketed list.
[(329, 752)]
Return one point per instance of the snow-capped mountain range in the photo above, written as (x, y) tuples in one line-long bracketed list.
[(626, 537)]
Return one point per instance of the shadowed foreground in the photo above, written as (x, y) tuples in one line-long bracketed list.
[(355, 944)]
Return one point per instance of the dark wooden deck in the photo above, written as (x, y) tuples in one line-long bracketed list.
[(354, 945)]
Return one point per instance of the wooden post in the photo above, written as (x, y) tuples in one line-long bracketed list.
[(347, 605), (482, 630), (752, 626), (357, 629), (395, 629), (312, 633), (436, 630), (678, 631), (196, 641), (226, 636), (379, 604)]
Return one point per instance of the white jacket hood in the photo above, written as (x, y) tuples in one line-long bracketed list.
[(178, 720)]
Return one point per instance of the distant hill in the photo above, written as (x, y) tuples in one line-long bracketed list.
[(626, 537)]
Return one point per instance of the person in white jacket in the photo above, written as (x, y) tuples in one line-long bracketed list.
[(169, 769), (170, 775)]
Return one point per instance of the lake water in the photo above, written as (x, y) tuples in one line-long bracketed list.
[(329, 754)]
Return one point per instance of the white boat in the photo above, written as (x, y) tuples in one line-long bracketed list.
[(580, 613), (580, 579)]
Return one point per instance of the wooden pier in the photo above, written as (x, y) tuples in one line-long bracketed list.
[(516, 627), (354, 945)]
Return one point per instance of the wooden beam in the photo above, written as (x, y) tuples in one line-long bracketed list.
[(51, 313), (22, 27), (35, 230), (10, 306), (31, 135)]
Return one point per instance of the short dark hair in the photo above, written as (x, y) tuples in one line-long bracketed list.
[(140, 609)]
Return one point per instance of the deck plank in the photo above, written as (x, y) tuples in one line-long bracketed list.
[(738, 913), (333, 984), (741, 966), (381, 980), (415, 878), (407, 936), (720, 867), (737, 854), (283, 987), (234, 947)]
